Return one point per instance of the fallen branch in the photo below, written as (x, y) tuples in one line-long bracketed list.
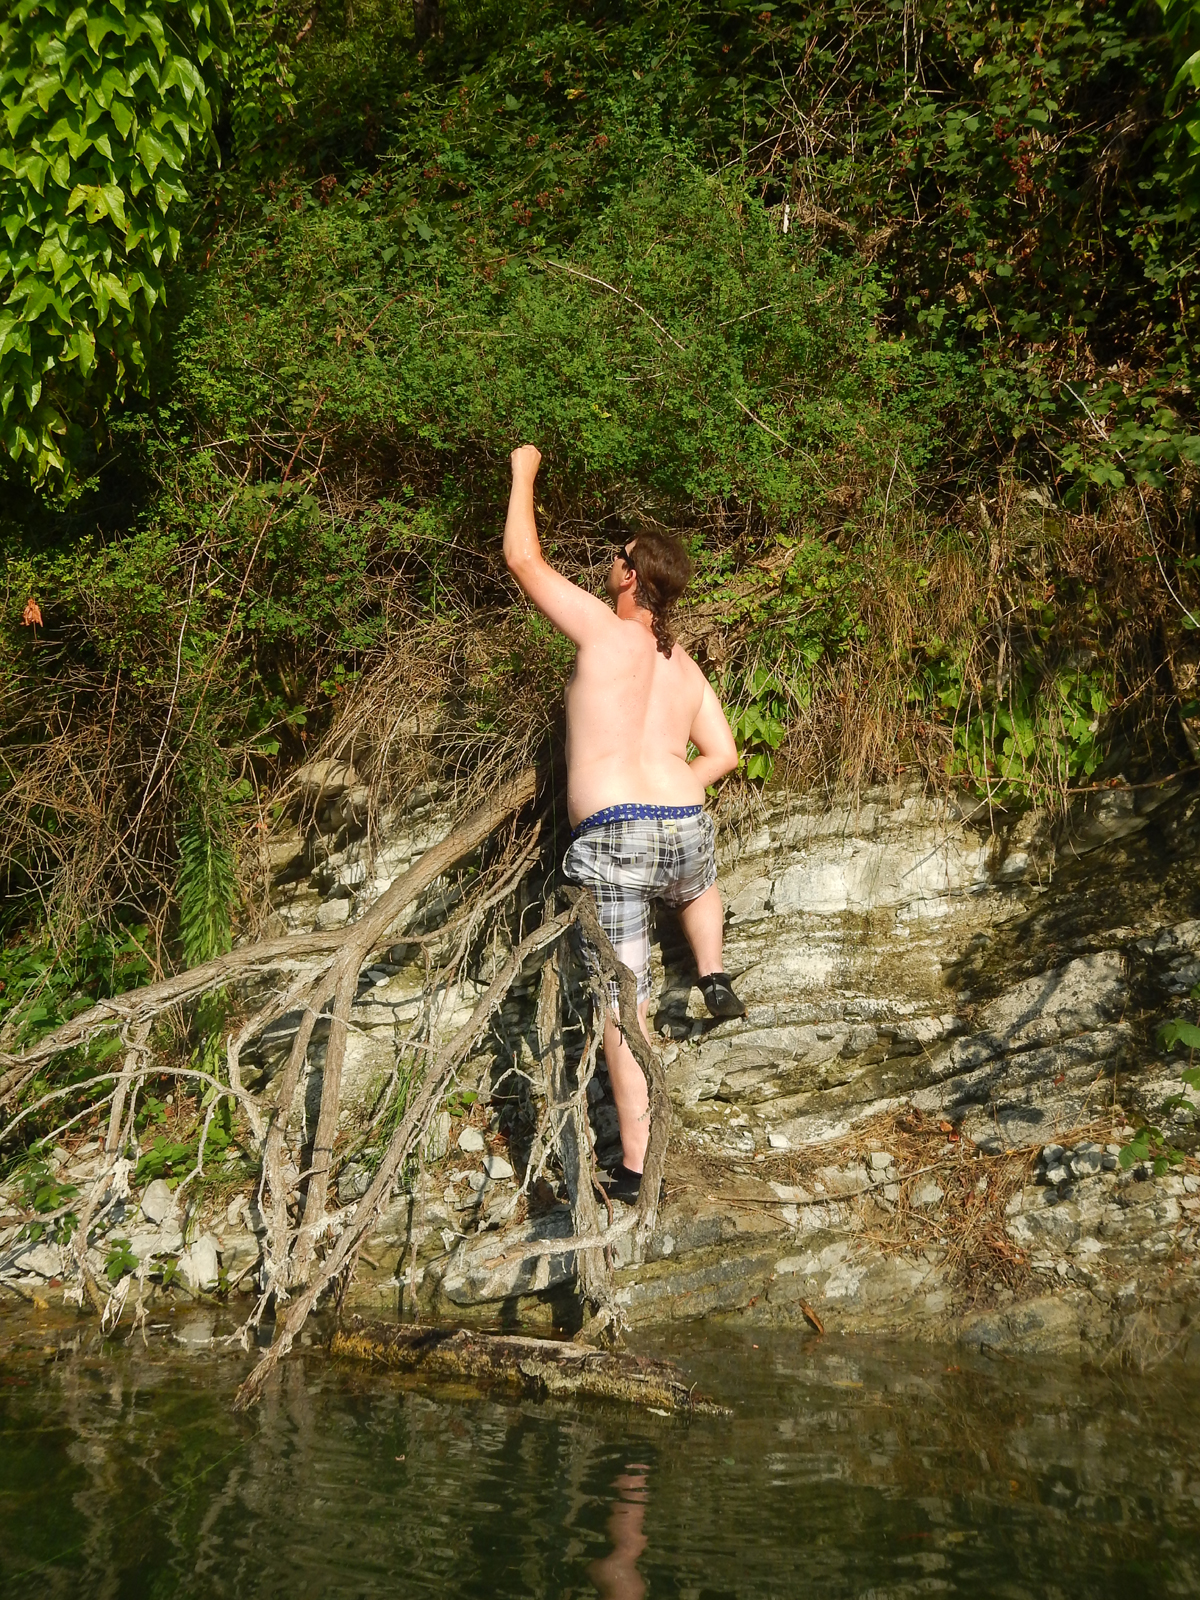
[(535, 1366)]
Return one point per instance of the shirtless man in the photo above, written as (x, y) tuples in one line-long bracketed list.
[(635, 701)]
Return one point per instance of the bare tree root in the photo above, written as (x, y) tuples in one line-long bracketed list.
[(136, 1012), (410, 1131), (271, 954), (574, 1144), (326, 969)]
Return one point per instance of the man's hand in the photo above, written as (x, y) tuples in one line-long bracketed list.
[(526, 459)]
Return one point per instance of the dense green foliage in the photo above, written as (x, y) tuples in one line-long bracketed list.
[(886, 305), (102, 106)]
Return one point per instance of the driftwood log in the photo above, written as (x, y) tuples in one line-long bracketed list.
[(533, 1366)]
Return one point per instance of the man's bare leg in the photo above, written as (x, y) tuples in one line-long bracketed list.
[(629, 1091), (703, 922)]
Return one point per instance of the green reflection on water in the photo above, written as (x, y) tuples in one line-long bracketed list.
[(847, 1469)]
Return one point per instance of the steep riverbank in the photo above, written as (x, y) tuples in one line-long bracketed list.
[(951, 1034)]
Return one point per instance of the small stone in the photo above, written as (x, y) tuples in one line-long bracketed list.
[(437, 1140), (1109, 1162), (353, 1184), (891, 1191), (234, 1210), (470, 1141), (42, 1259), (496, 1168), (332, 914), (199, 1264), (990, 1146), (477, 1180), (1057, 1174), (157, 1201), (1086, 1163), (1191, 1185), (1112, 1149), (928, 1194), (1052, 1154), (779, 1141), (668, 1244), (880, 1160)]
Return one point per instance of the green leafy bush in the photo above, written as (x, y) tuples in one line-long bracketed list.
[(102, 105)]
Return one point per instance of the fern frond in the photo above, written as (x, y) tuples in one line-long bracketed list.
[(207, 889)]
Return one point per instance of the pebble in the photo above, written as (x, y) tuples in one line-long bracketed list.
[(1052, 1154), (496, 1168), (1109, 1161), (880, 1160), (470, 1141), (1086, 1163), (1057, 1174), (779, 1141), (929, 1194)]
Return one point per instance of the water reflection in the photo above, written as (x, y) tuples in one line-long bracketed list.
[(846, 1468), (616, 1576)]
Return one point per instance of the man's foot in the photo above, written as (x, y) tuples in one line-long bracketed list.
[(719, 996), (625, 1185)]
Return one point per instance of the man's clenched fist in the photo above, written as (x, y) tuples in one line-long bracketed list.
[(526, 459)]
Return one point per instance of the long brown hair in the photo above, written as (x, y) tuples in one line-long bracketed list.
[(664, 570)]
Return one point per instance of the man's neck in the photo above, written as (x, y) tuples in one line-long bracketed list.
[(628, 610)]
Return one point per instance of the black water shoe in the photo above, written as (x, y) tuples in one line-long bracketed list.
[(622, 1184), (719, 996)]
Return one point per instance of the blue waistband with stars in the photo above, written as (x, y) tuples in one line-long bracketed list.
[(632, 811)]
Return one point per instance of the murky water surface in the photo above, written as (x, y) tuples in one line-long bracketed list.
[(847, 1469)]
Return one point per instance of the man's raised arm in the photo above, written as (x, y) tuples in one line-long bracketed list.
[(571, 609)]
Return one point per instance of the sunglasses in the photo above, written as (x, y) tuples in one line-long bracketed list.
[(622, 550)]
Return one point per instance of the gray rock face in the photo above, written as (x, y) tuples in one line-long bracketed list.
[(896, 964)]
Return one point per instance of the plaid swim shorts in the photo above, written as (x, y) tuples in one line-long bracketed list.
[(642, 853)]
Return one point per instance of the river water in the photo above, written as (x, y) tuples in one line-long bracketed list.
[(847, 1469)]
